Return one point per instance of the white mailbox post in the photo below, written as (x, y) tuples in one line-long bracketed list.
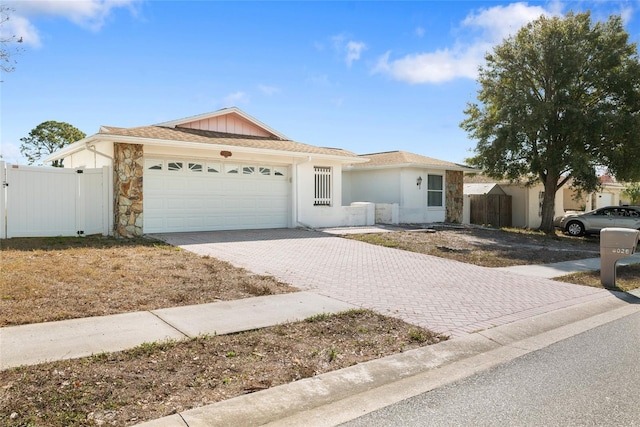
[(615, 244)]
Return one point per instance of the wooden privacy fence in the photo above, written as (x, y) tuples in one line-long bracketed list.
[(37, 201), (490, 209)]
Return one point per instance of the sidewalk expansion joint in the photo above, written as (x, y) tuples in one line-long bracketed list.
[(186, 335)]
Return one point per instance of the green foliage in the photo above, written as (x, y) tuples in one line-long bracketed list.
[(49, 137), (557, 100), (633, 192)]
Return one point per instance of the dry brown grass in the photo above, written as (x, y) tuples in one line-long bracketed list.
[(506, 247), (159, 379), (46, 279), (627, 278), (488, 247)]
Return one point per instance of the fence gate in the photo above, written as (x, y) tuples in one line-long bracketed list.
[(490, 209), (41, 201)]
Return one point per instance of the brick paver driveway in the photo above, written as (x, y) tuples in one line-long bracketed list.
[(443, 295)]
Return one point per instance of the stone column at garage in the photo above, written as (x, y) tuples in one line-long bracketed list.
[(453, 197), (127, 185)]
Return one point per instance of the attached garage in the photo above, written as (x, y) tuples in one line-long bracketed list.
[(199, 195), (223, 170)]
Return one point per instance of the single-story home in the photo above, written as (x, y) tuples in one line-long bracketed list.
[(227, 170), (611, 193)]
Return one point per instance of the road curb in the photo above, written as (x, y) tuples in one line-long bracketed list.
[(342, 395)]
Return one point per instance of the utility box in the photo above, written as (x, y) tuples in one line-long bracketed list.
[(615, 244)]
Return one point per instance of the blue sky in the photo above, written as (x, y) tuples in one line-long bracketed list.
[(366, 76)]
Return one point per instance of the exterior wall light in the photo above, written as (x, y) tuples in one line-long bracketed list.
[(419, 182)]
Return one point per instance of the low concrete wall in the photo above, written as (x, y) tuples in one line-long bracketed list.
[(387, 213), (359, 213)]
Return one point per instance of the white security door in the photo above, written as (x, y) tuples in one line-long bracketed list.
[(195, 195)]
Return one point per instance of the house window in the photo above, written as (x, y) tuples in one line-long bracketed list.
[(322, 180), (248, 170), (174, 166), (264, 170), (231, 168), (213, 167), (434, 190), (540, 202), (154, 165), (195, 167)]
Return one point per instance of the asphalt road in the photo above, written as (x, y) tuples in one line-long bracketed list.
[(591, 379)]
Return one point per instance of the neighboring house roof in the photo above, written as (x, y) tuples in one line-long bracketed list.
[(390, 159), (482, 188)]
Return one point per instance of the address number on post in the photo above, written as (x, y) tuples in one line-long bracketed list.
[(621, 251)]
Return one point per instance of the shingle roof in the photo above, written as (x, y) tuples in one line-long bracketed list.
[(219, 138), (391, 158)]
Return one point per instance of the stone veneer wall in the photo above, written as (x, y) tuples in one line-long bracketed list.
[(127, 185), (453, 196)]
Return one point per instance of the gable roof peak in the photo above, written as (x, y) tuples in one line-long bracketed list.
[(224, 112)]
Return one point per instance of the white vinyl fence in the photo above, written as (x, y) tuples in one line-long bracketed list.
[(37, 201)]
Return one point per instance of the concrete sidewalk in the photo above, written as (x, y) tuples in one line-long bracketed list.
[(69, 339), (559, 269)]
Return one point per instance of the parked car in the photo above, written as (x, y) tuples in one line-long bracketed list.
[(579, 223)]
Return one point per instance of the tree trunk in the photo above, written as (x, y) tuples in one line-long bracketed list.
[(549, 206)]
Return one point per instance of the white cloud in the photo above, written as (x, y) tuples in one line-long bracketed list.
[(20, 28), (351, 49), (354, 49), (235, 98), (488, 27), (500, 22), (89, 14)]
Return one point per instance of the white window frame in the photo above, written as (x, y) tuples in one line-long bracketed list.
[(432, 191)]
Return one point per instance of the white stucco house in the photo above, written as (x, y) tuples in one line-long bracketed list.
[(611, 193), (407, 187), (227, 170)]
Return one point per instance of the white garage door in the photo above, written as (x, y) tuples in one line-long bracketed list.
[(195, 195)]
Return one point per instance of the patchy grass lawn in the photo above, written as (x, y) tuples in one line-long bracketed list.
[(488, 247), (159, 379), (47, 279), (506, 247)]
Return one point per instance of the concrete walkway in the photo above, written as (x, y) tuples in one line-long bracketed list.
[(69, 339), (559, 269)]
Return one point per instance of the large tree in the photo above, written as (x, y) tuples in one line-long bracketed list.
[(557, 101), (48, 137)]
